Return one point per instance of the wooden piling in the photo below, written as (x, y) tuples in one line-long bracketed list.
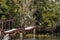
[(21, 36), (34, 32)]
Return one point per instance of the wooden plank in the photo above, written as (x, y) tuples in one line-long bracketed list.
[(30, 27), (10, 31)]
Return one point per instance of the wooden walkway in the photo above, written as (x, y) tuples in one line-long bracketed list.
[(20, 31)]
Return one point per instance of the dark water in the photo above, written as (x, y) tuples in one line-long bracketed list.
[(27, 39), (44, 38)]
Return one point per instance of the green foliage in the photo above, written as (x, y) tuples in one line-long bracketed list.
[(46, 13), (26, 13)]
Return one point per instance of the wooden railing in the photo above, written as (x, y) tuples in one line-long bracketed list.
[(18, 30), (14, 31)]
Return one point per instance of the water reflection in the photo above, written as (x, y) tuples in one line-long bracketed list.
[(35, 38), (32, 39), (41, 38), (44, 38)]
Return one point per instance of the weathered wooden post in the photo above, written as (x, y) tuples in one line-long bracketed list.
[(34, 32), (6, 37), (21, 36), (0, 35)]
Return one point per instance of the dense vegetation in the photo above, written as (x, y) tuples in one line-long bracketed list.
[(43, 13)]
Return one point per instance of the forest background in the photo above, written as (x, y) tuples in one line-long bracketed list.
[(44, 14)]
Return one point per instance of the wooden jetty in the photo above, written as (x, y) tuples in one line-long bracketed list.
[(20, 31)]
